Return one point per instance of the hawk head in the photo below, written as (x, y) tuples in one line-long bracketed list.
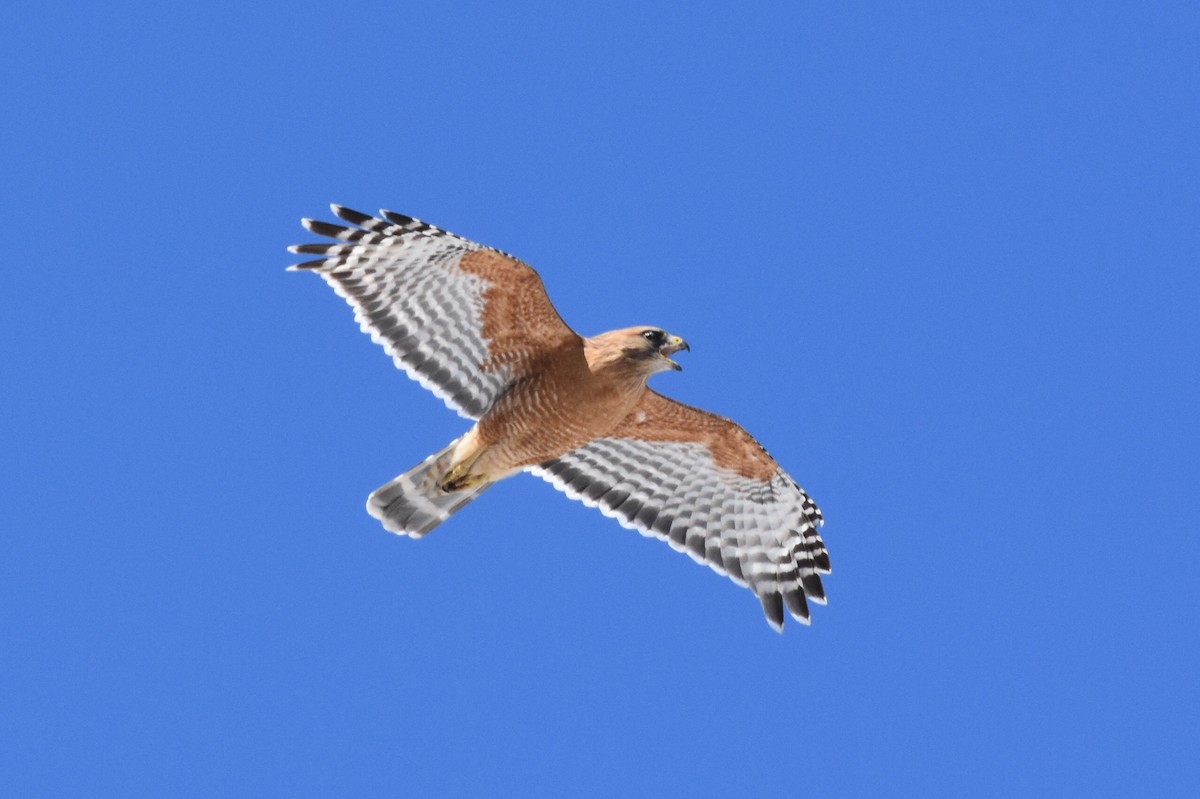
[(643, 349)]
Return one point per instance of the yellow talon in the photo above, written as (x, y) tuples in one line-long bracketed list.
[(457, 479)]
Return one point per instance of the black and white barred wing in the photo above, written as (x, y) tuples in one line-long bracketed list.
[(462, 319), (703, 485)]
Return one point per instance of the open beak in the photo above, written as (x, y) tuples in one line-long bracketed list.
[(674, 344)]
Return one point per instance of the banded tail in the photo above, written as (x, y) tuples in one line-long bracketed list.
[(413, 504)]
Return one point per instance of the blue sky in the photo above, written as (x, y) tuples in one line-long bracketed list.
[(942, 261)]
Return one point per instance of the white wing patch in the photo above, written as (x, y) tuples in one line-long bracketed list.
[(761, 534)]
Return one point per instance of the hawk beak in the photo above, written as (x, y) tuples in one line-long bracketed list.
[(674, 344)]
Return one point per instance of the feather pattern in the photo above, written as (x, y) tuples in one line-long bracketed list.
[(665, 482), (428, 297)]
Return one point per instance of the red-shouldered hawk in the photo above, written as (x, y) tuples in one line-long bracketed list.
[(475, 327)]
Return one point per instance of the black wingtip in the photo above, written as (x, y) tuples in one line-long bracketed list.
[(313, 249), (797, 605), (813, 588), (398, 219), (327, 229), (307, 266), (350, 215), (772, 605)]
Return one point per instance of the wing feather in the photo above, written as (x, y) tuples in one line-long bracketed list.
[(706, 487), (464, 320)]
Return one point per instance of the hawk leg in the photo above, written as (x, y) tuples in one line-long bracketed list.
[(459, 477), (461, 482)]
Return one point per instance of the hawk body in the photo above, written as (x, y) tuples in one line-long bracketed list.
[(474, 325)]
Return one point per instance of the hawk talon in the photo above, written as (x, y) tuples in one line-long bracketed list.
[(457, 479)]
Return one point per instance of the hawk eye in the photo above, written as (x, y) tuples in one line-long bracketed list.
[(655, 337)]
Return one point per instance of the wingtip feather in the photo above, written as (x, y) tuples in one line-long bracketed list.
[(772, 605), (350, 215), (797, 606), (307, 266), (395, 218), (813, 588)]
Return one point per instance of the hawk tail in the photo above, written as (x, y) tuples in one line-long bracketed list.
[(413, 504)]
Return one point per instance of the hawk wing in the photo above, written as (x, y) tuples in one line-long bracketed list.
[(702, 484), (462, 319)]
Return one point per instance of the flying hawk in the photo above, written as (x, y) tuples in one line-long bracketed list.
[(474, 326)]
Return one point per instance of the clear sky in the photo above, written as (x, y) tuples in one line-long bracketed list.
[(942, 260)]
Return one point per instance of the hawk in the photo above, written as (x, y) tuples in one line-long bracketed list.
[(474, 326)]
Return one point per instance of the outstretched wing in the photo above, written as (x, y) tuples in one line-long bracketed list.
[(462, 319), (702, 484)]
